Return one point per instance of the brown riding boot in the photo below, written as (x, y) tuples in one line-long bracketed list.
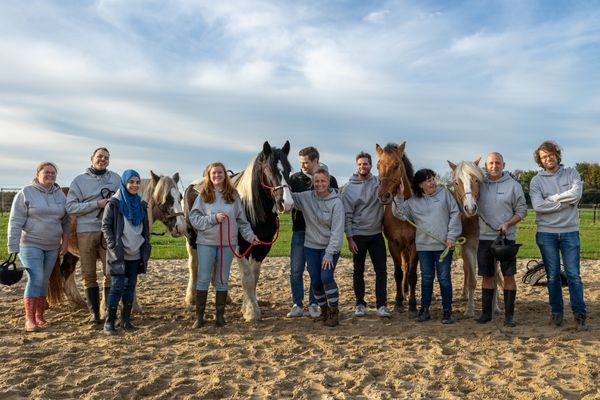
[(30, 325), (40, 307), (334, 317), (324, 314)]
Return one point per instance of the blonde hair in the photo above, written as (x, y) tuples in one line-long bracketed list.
[(208, 189), (41, 166)]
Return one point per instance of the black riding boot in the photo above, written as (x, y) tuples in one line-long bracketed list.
[(509, 307), (106, 293), (92, 296), (221, 299), (487, 297), (109, 324), (200, 306), (126, 318)]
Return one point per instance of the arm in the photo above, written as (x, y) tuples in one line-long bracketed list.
[(539, 204), (454, 224), (107, 228), (244, 226), (349, 214), (573, 195), (337, 233), (75, 204), (16, 222), (399, 208), (199, 220), (520, 209)]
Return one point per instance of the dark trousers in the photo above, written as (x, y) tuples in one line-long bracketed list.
[(375, 246), (123, 286)]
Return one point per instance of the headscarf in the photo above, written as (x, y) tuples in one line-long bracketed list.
[(130, 204)]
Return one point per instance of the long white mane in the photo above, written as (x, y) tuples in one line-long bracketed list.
[(244, 188)]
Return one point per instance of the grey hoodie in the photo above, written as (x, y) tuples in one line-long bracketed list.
[(40, 216), (203, 218), (363, 211), (438, 214), (498, 202), (83, 196), (324, 221), (554, 198)]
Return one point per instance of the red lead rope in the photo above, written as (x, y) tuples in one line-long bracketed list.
[(231, 247)]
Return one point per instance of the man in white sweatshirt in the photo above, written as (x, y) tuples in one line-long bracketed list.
[(555, 193)]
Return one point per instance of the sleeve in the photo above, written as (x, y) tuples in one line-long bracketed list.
[(337, 232), (107, 227), (298, 200), (199, 220), (573, 195), (66, 220), (244, 226), (539, 204), (75, 204), (454, 224), (348, 212), (520, 203), (16, 222), (400, 208)]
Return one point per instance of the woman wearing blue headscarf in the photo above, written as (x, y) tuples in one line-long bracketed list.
[(127, 234)]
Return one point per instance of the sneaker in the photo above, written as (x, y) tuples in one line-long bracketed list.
[(423, 314), (556, 319), (360, 310), (447, 318), (383, 312), (295, 312), (580, 322), (314, 310)]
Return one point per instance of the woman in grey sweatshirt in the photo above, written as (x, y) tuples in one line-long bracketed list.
[(38, 228), (435, 210), (324, 216)]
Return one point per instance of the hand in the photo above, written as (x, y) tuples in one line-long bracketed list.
[(352, 246), (401, 187), (450, 243), (326, 264), (102, 203), (220, 217), (504, 228)]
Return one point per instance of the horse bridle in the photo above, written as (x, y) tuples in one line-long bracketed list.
[(273, 189)]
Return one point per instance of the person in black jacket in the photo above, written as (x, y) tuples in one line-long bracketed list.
[(301, 182), (125, 227)]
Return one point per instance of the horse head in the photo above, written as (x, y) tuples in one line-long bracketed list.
[(393, 167), (166, 203), (467, 176), (274, 169)]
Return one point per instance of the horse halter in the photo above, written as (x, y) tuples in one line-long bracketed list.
[(273, 189)]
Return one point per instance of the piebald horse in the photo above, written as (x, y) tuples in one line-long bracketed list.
[(264, 191), (394, 167), (466, 179), (164, 204)]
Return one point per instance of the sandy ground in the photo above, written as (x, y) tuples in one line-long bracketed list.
[(363, 358)]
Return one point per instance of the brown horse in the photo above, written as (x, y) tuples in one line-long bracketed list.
[(164, 204), (466, 178), (394, 167)]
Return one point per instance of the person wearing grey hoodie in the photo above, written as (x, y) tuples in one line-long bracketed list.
[(363, 227), (38, 229), (433, 209), (555, 193), (324, 216), (88, 195), (501, 206)]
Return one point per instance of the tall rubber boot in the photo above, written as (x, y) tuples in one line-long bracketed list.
[(126, 318), (324, 314), (221, 299), (109, 324), (487, 298), (106, 294), (334, 316), (509, 308), (201, 296), (30, 325), (40, 307), (92, 296)]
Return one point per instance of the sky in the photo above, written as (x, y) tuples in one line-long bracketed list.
[(171, 86)]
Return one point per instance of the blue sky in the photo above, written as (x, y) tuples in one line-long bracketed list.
[(174, 85)]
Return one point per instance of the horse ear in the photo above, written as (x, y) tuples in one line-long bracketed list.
[(155, 177), (286, 148), (378, 149), (176, 177), (267, 149), (476, 162), (401, 147), (452, 165)]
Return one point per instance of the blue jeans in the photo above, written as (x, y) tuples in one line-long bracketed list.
[(322, 280), (123, 286), (552, 246), (38, 264), (209, 256), (430, 265), (297, 266)]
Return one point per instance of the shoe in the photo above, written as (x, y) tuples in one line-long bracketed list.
[(314, 310), (334, 317), (324, 313), (580, 322), (295, 312), (447, 318), (383, 312), (360, 310), (423, 314), (556, 319)]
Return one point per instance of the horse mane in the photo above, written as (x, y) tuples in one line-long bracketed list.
[(162, 189), (464, 169), (249, 194), (408, 167)]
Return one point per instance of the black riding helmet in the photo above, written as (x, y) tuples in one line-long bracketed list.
[(502, 250)]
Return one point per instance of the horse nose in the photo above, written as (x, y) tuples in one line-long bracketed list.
[(385, 198)]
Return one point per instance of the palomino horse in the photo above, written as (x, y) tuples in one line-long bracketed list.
[(263, 189), (466, 178), (394, 167), (164, 204)]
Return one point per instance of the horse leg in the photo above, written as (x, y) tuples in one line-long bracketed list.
[(469, 254), (250, 308), (398, 275), (72, 292), (190, 293), (499, 285), (412, 282)]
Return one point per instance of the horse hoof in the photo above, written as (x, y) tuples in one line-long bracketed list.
[(399, 308), (412, 314)]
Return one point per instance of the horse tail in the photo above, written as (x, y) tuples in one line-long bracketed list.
[(56, 285)]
